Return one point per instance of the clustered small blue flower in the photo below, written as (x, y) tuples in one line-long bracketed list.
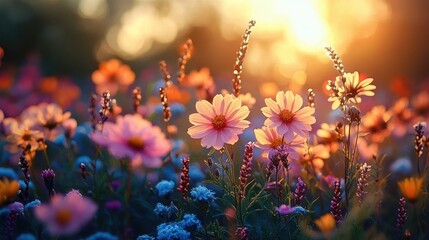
[(202, 194), (32, 204), (164, 187), (167, 231), (190, 222), (145, 237), (102, 236), (166, 213), (26, 236)]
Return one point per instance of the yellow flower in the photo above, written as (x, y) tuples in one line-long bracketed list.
[(325, 223), (410, 188), (8, 190)]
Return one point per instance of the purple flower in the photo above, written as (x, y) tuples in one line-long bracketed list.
[(287, 210), (66, 215), (113, 206)]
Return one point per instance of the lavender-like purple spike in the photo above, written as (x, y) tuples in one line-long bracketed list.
[(299, 192), (15, 209), (336, 203), (48, 178), (402, 213), (362, 182), (25, 168), (246, 168)]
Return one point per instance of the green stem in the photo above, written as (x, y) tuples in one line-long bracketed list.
[(45, 154)]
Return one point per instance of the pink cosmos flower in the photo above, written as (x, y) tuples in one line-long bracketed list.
[(288, 116), (134, 137), (66, 215), (220, 122), (269, 139)]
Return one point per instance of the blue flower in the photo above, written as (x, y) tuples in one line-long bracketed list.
[(102, 236), (402, 165), (26, 236), (32, 204), (190, 221), (167, 213), (8, 173), (145, 237), (23, 186), (202, 194), (164, 187), (195, 173), (172, 231)]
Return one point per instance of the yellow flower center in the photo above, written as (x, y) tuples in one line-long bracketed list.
[(219, 122), (63, 217), (136, 143), (286, 116)]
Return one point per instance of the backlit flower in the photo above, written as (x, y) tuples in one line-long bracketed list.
[(269, 139), (410, 188), (288, 116), (352, 89), (375, 124), (45, 117), (8, 190), (326, 223), (66, 215), (401, 118), (21, 137), (314, 156), (202, 82), (220, 122), (111, 76), (421, 106), (135, 138), (328, 136)]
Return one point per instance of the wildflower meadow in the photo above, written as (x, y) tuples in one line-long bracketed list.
[(184, 157)]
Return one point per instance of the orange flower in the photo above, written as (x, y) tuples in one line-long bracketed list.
[(175, 95), (411, 188), (112, 75), (328, 136), (375, 123), (8, 190), (325, 223)]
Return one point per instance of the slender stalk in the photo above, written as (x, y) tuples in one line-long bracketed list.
[(45, 155)]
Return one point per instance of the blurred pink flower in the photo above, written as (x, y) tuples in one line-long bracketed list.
[(269, 139), (45, 117), (66, 215), (134, 137), (220, 122), (288, 116)]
